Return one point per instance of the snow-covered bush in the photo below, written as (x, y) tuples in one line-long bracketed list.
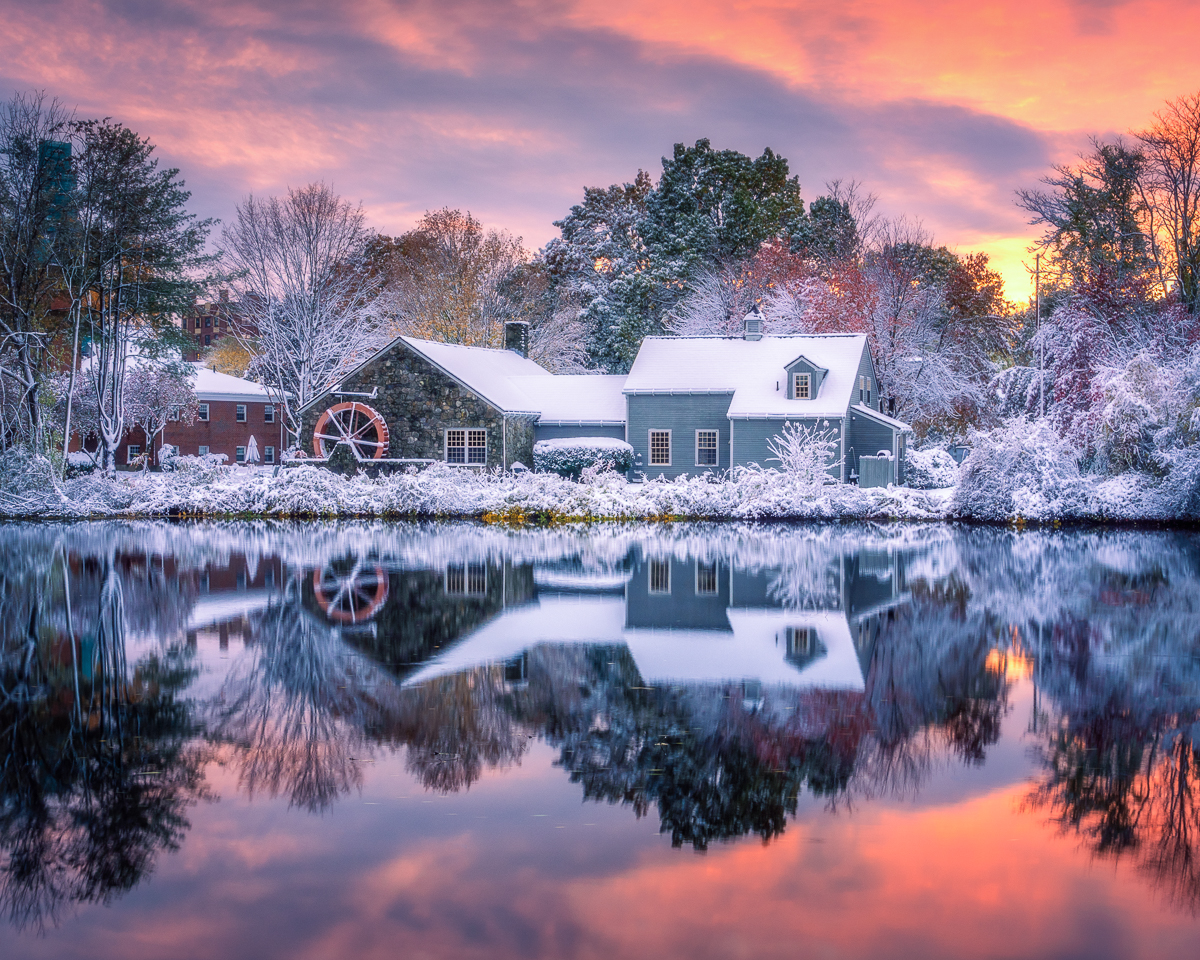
[(806, 454), (569, 456), (1021, 470), (932, 469)]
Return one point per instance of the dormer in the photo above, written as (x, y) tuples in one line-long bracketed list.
[(804, 379)]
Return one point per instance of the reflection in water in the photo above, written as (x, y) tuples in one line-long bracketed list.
[(710, 677)]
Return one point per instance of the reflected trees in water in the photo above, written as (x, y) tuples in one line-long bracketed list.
[(100, 759)]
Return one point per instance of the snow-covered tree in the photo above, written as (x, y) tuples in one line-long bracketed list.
[(308, 293), (806, 453)]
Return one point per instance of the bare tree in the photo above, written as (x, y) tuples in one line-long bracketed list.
[(1171, 190), (307, 291)]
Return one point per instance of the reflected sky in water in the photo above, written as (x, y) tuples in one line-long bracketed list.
[(275, 740)]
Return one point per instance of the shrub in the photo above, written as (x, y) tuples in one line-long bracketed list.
[(569, 457), (930, 469), (806, 454)]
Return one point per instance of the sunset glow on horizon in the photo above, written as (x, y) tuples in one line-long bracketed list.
[(509, 109)]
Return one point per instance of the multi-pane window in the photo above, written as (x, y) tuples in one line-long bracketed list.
[(202, 412), (208, 339), (241, 413), (132, 452), (801, 386), (241, 455), (466, 446), (203, 451), (706, 448), (269, 413), (466, 579), (660, 448), (660, 576), (706, 579), (801, 641), (208, 321), (173, 411), (268, 454), (864, 389)]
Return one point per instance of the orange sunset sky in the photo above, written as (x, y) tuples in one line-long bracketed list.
[(509, 107)]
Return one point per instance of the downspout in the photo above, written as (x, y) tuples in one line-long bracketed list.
[(503, 441)]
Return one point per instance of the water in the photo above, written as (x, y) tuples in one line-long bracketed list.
[(253, 740)]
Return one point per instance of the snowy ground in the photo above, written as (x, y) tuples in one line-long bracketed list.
[(28, 489)]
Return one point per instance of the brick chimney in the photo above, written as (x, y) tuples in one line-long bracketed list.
[(516, 337), (752, 324)]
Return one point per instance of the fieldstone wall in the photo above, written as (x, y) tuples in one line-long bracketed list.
[(420, 403)]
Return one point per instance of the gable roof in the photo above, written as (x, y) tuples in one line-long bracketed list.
[(752, 370), (576, 398), (487, 371)]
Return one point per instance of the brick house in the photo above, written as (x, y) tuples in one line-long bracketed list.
[(208, 323), (232, 410)]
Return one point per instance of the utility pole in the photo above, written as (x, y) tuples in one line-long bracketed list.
[(1037, 299)]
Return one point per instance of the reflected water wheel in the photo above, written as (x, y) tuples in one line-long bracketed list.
[(350, 596), (356, 424)]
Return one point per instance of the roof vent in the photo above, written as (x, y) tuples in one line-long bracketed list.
[(516, 337), (753, 324)]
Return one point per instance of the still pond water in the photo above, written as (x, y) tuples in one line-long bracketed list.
[(377, 740)]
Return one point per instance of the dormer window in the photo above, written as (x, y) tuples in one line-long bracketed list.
[(801, 386)]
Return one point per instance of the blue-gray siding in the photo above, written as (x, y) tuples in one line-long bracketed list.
[(683, 415), (750, 439), (867, 437), (546, 431)]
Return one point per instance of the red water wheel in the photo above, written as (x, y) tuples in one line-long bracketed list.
[(350, 592), (356, 424)]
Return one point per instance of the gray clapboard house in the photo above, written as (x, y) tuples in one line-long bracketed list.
[(699, 404)]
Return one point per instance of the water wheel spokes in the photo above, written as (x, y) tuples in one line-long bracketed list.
[(350, 596), (355, 424)]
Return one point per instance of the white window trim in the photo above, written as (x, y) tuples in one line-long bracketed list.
[(716, 449), (202, 450), (132, 452), (650, 448), (239, 413), (239, 454), (716, 572), (269, 413), (268, 454), (465, 569), (807, 378), (650, 568), (202, 413)]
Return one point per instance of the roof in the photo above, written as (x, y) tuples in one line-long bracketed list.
[(210, 385), (487, 371), (754, 371), (576, 398), (881, 417)]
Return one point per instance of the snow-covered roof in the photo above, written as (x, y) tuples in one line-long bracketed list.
[(881, 417), (754, 371), (485, 370), (748, 650), (211, 385), (576, 398)]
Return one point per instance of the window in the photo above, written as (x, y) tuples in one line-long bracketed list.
[(706, 448), (268, 454), (203, 451), (269, 413), (241, 413), (132, 452), (208, 321), (660, 448), (706, 579), (801, 386), (241, 455), (864, 389), (466, 579), (207, 339), (202, 412), (173, 411), (801, 641), (660, 576), (269, 577), (241, 580), (466, 446)]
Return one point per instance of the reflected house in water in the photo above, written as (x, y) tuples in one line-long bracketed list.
[(699, 621)]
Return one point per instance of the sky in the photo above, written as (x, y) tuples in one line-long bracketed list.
[(508, 108)]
